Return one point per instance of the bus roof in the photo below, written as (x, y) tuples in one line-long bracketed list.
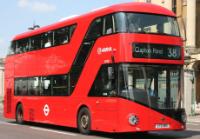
[(140, 7)]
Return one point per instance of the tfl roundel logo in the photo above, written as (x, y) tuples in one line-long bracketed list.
[(46, 110)]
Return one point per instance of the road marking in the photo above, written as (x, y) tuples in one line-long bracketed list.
[(54, 131), (1, 122), (6, 123)]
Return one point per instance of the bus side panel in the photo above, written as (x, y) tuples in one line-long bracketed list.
[(9, 110), (51, 110), (103, 109), (9, 106)]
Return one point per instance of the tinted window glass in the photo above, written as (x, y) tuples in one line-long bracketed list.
[(71, 30), (46, 86), (120, 22), (35, 43), (62, 36), (47, 39), (23, 45), (74, 75), (108, 24), (17, 87), (12, 48), (104, 84), (132, 84), (60, 85), (21, 87), (34, 86), (95, 30)]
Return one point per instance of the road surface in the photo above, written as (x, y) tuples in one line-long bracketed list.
[(10, 130)]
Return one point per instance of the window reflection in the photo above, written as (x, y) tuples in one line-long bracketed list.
[(154, 86)]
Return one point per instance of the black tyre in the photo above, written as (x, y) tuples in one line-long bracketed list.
[(84, 121), (19, 114)]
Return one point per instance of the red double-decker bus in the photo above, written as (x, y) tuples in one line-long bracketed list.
[(116, 69)]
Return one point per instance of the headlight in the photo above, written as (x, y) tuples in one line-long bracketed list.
[(133, 119)]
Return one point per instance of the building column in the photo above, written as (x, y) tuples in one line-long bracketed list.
[(191, 24), (1, 83)]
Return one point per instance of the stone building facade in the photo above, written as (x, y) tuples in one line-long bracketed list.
[(1, 79)]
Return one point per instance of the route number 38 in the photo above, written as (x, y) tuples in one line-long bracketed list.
[(173, 53)]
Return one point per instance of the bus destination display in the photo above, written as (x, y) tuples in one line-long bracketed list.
[(156, 51)]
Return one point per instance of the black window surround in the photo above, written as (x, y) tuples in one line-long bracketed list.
[(40, 41)]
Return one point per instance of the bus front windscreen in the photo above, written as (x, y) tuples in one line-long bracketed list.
[(146, 24), (155, 86)]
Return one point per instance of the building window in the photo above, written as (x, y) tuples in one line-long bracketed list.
[(174, 6), (148, 1)]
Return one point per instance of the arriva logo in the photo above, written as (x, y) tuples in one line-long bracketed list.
[(104, 50)]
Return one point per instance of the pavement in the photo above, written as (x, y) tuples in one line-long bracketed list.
[(195, 118), (1, 105)]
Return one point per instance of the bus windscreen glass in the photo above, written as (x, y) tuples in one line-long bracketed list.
[(146, 24), (155, 86)]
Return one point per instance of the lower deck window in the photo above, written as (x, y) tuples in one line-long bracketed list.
[(42, 86)]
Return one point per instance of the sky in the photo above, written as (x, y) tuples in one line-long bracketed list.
[(18, 15)]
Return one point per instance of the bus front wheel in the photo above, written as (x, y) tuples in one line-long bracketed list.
[(19, 114), (84, 121)]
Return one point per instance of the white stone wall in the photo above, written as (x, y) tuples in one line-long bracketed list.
[(191, 23), (165, 3), (1, 83), (188, 77)]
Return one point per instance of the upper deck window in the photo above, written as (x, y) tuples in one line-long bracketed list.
[(47, 39), (12, 48), (35, 43), (62, 36), (108, 25), (95, 30), (120, 22), (22, 45)]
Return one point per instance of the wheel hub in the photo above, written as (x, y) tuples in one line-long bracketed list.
[(84, 121)]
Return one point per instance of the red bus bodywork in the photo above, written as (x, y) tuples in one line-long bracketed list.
[(109, 114)]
